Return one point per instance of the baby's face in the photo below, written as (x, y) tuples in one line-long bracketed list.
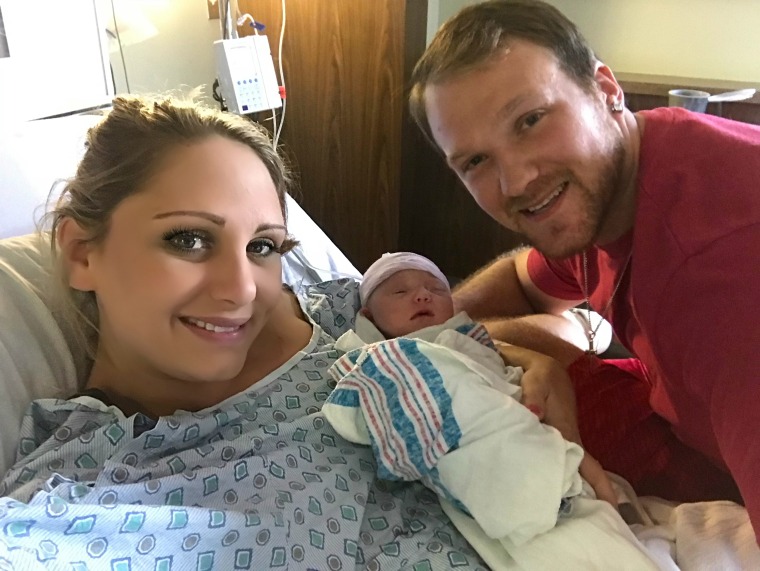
[(407, 301)]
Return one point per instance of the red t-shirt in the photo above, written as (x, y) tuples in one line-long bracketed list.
[(688, 306)]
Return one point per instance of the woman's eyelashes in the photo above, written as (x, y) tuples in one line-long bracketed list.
[(287, 245), (196, 242), (262, 247), (187, 240)]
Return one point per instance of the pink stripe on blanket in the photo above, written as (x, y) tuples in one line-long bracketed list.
[(375, 407), (425, 413)]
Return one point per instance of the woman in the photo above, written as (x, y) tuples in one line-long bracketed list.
[(197, 441)]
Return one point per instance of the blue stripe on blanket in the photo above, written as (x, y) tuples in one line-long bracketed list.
[(344, 397), (478, 332), (399, 363)]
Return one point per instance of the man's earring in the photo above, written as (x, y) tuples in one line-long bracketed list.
[(616, 106)]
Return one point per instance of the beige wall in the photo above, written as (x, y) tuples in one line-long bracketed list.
[(692, 38), (715, 39), (167, 45)]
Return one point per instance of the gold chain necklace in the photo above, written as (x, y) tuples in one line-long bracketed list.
[(590, 329)]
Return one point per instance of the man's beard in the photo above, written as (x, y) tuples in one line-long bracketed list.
[(598, 204)]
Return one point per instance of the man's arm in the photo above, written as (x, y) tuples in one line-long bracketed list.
[(503, 288), (560, 338), (502, 291), (494, 290)]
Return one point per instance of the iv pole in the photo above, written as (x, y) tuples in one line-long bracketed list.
[(228, 10)]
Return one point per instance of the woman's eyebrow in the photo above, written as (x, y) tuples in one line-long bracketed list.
[(269, 226), (218, 220)]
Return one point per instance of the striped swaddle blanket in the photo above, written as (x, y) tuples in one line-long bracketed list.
[(406, 408), (444, 410)]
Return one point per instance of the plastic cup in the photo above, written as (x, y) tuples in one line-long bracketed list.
[(690, 99)]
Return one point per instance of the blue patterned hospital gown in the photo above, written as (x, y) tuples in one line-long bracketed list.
[(260, 481)]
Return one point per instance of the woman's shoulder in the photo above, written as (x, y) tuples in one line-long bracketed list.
[(332, 305)]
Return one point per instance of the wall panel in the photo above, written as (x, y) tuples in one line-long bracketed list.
[(344, 63)]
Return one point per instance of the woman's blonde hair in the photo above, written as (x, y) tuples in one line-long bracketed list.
[(121, 153)]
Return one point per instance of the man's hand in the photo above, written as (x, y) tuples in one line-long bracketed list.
[(548, 393)]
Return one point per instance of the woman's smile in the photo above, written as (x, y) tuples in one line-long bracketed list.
[(220, 330), (218, 325)]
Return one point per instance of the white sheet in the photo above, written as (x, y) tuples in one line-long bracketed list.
[(704, 536), (33, 156), (316, 258)]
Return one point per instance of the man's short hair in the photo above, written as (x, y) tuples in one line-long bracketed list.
[(478, 32)]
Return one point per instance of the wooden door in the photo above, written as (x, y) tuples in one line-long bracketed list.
[(346, 65)]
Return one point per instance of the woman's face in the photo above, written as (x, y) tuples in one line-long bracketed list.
[(190, 268)]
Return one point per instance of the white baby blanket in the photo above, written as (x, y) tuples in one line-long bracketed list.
[(433, 412), (440, 406)]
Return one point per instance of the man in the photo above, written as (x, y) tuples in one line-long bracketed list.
[(651, 218)]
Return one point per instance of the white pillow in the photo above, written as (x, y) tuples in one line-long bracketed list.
[(35, 358), (33, 156)]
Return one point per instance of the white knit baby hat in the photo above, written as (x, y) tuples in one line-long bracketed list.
[(391, 263)]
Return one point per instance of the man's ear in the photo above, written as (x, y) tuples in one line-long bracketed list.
[(75, 249), (609, 88)]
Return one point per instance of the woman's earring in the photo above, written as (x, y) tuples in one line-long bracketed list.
[(616, 106)]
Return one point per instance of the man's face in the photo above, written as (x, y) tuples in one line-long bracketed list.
[(539, 154), (407, 301)]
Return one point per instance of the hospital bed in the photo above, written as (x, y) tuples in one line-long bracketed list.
[(34, 156)]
